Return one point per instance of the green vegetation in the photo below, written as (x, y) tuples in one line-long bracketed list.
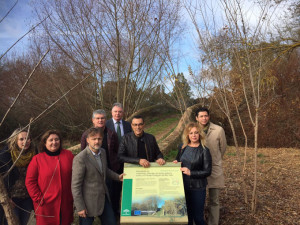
[(231, 154), (262, 161), (155, 129), (152, 120), (260, 155), (166, 135), (171, 155)]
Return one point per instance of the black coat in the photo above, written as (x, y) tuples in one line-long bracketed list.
[(5, 164), (201, 167), (128, 149)]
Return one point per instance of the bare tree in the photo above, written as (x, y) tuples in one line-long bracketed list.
[(236, 51), (119, 40)]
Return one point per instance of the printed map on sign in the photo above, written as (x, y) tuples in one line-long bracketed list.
[(153, 195)]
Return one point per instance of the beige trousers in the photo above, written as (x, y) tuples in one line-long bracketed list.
[(214, 206)]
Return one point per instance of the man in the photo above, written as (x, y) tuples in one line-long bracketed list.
[(89, 189), (111, 145), (216, 142), (116, 123), (139, 147)]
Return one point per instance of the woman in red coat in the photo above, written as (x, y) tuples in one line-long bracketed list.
[(48, 182)]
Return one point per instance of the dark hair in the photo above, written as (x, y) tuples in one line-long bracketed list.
[(93, 131), (137, 117), (44, 138), (202, 109)]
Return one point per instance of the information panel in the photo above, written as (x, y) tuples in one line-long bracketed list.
[(153, 195)]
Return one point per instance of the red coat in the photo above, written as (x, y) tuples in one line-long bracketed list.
[(48, 182)]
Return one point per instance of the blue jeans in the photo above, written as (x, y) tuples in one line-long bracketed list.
[(195, 200), (107, 217)]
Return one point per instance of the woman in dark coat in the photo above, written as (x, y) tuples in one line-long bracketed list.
[(48, 181), (15, 180), (196, 165)]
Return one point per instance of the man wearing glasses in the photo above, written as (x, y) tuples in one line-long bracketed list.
[(139, 147)]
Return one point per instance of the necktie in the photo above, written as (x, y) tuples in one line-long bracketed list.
[(119, 131)]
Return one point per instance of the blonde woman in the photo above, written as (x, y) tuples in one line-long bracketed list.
[(196, 166), (15, 181)]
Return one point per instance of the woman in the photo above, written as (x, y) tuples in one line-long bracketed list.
[(48, 181), (196, 166), (15, 180)]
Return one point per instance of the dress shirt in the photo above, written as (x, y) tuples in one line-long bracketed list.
[(116, 126), (98, 159)]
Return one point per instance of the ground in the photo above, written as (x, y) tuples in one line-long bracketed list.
[(278, 188)]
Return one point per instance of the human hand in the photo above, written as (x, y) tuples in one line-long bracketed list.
[(121, 176), (185, 171), (161, 161), (144, 163), (82, 213), (175, 161)]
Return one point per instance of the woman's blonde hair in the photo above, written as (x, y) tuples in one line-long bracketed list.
[(12, 141), (185, 135)]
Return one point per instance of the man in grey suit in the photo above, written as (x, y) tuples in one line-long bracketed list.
[(116, 123), (89, 189)]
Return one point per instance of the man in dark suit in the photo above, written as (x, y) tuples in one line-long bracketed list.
[(116, 123), (89, 188), (110, 144)]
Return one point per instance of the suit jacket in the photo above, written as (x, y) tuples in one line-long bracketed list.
[(112, 151), (216, 143), (88, 182), (126, 126)]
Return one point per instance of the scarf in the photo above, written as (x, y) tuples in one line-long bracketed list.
[(24, 159), (205, 129)]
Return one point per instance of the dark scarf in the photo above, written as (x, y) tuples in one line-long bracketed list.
[(205, 129), (53, 153)]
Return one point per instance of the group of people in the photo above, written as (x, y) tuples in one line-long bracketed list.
[(204, 144), (92, 180)]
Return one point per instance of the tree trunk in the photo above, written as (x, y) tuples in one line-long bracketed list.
[(254, 194), (187, 117), (7, 207)]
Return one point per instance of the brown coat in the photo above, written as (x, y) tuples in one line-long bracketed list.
[(216, 143), (88, 182)]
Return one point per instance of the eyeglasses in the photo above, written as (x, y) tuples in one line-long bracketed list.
[(137, 124)]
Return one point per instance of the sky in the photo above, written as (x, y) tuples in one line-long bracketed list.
[(15, 25), (21, 18)]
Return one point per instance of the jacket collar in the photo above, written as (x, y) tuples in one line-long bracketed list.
[(92, 159)]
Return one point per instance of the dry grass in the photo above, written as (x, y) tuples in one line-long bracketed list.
[(278, 200)]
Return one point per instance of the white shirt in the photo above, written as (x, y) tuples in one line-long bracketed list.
[(121, 126)]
